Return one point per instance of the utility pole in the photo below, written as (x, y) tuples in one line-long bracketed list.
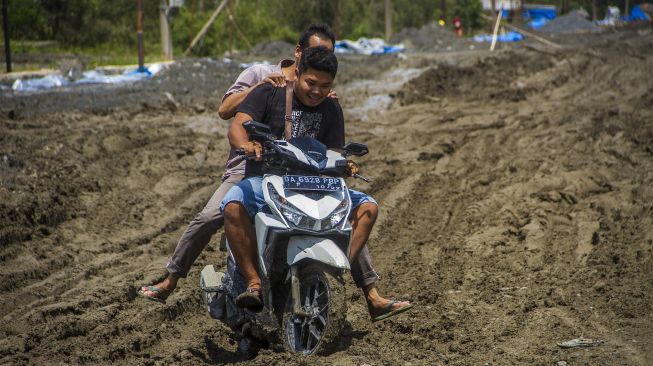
[(230, 17), (336, 26), (388, 20), (5, 27), (443, 10), (166, 40), (139, 33)]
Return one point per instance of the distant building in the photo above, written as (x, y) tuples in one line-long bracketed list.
[(501, 4)]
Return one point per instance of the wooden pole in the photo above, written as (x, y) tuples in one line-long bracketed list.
[(139, 33), (336, 26), (528, 34), (496, 29), (5, 27), (206, 27), (627, 8), (240, 32), (443, 10), (166, 41), (388, 20)]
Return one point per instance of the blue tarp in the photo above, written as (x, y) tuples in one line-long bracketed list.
[(637, 14), (539, 13), (538, 23), (534, 13), (506, 37)]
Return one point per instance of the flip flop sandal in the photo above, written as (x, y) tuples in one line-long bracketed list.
[(157, 294), (388, 312), (250, 299)]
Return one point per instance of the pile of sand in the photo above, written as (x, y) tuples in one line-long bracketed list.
[(574, 22), (274, 49), (431, 37)]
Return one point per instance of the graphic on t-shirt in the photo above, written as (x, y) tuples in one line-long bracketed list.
[(306, 124)]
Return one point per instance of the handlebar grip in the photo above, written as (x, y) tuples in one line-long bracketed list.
[(361, 177)]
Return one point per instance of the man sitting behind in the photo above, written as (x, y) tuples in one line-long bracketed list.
[(313, 115)]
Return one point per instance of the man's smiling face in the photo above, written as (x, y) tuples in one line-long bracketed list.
[(313, 86)]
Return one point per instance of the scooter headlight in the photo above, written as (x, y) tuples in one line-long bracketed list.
[(291, 213), (299, 219), (336, 216)]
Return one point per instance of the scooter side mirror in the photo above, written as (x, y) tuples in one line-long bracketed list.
[(258, 131), (256, 127), (355, 149)]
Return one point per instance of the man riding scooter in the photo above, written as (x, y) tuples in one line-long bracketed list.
[(313, 115)]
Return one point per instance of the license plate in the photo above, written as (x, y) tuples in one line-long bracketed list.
[(311, 183)]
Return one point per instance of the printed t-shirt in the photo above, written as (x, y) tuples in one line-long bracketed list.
[(267, 104)]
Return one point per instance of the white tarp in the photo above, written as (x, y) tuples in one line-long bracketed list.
[(97, 76), (367, 46)]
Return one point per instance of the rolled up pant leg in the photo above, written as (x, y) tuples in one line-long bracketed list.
[(199, 231), (362, 271)]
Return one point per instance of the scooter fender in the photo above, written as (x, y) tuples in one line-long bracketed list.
[(317, 249)]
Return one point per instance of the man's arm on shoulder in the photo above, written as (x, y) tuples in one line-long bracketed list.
[(246, 82), (231, 102)]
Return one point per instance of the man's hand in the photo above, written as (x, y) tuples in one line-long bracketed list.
[(352, 168), (252, 148), (277, 79), (333, 95)]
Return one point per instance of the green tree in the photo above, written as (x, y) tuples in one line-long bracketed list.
[(469, 12)]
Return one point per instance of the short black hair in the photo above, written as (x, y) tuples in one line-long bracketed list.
[(318, 58), (321, 30)]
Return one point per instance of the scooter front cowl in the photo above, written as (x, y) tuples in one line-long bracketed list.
[(304, 247)]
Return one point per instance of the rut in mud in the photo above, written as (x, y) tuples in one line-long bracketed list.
[(515, 193)]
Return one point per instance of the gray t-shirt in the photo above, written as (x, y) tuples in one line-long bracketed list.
[(248, 78)]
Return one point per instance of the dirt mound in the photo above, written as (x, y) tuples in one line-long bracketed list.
[(431, 37), (491, 77), (574, 22), (274, 49)]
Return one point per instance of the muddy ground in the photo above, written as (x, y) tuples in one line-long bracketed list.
[(516, 194)]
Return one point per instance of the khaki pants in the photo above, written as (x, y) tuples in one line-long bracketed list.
[(206, 223)]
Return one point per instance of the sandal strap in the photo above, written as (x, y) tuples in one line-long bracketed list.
[(253, 290)]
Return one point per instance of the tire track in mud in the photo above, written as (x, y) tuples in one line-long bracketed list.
[(101, 261), (522, 225)]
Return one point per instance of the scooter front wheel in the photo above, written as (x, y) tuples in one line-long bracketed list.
[(322, 298)]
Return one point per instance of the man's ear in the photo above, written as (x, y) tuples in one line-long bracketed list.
[(298, 52)]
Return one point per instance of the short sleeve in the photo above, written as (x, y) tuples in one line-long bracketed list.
[(256, 102), (334, 137), (248, 78)]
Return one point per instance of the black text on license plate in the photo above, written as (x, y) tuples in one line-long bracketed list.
[(302, 182)]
